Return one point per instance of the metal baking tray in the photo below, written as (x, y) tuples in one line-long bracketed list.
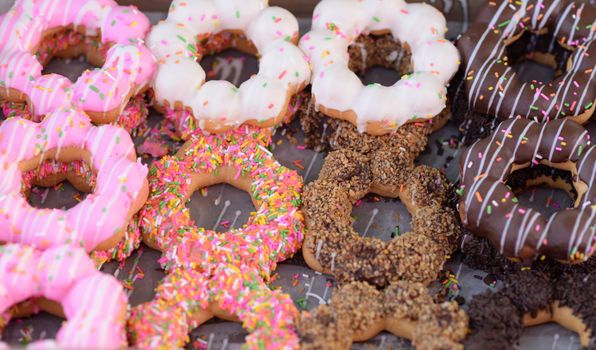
[(220, 206)]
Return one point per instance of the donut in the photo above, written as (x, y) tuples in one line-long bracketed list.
[(546, 291), (66, 283), (376, 109), (82, 177), (220, 274), (383, 165), (405, 309), (110, 36), (560, 33), (489, 208), (100, 220), (195, 29)]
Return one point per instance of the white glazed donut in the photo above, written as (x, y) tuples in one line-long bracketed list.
[(376, 109), (218, 105)]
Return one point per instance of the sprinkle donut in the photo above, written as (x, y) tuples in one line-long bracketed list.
[(333, 246), (489, 208), (358, 312), (66, 283), (493, 86), (100, 220), (196, 28), (220, 274), (377, 109), (33, 32)]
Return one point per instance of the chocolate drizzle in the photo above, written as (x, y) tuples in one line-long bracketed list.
[(493, 85), (489, 208)]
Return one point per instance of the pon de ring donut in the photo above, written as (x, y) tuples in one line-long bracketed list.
[(248, 25), (377, 109)]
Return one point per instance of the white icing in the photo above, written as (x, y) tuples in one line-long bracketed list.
[(282, 67), (336, 25)]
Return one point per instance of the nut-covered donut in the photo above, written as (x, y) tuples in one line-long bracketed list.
[(66, 283), (194, 29), (32, 32), (377, 109), (358, 312), (221, 274), (489, 208), (96, 223), (493, 85), (333, 246)]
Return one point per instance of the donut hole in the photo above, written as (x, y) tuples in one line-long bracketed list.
[(57, 185), (40, 326), (546, 189), (536, 57), (56, 51), (228, 56), (379, 59), (220, 207), (380, 217)]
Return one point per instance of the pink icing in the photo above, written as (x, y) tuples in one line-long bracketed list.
[(119, 181), (129, 64), (94, 303)]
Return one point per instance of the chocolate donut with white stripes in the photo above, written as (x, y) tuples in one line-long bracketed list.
[(556, 33), (489, 208)]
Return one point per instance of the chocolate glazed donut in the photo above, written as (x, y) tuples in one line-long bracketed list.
[(489, 208), (492, 84)]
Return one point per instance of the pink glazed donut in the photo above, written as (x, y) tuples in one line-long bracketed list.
[(100, 220), (32, 32), (63, 281)]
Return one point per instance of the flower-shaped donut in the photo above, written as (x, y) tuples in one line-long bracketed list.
[(126, 67), (494, 86), (358, 312), (384, 165), (194, 28), (65, 281), (489, 208), (100, 220), (376, 109), (221, 274)]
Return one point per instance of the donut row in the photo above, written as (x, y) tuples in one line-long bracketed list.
[(58, 130)]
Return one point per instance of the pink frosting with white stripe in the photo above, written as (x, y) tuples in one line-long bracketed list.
[(120, 180), (94, 303), (129, 64)]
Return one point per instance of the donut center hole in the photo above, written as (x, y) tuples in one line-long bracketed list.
[(70, 53), (543, 188), (58, 185), (379, 59), (537, 58), (380, 217), (228, 56), (22, 331), (220, 207)]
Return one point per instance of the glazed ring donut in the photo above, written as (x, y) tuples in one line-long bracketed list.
[(546, 291), (376, 109), (493, 86), (489, 208), (358, 312), (220, 274), (100, 220), (66, 283), (32, 32), (194, 29), (333, 246)]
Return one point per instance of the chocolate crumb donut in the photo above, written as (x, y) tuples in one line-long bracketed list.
[(403, 308), (555, 33), (333, 246), (489, 208)]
